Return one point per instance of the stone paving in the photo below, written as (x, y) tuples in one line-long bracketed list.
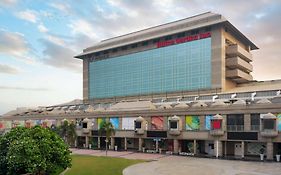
[(123, 154), (181, 165), (177, 165)]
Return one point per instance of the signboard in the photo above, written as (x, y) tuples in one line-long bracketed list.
[(183, 39)]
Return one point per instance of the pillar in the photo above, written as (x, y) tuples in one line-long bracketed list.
[(98, 142), (87, 142), (176, 146), (194, 147), (125, 140), (247, 122), (156, 145), (269, 151), (112, 143), (243, 149), (218, 148), (140, 144)]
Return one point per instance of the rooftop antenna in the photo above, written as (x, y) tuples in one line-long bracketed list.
[(195, 98), (278, 93), (233, 96), (253, 96)]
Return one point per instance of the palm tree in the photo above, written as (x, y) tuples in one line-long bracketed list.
[(107, 127)]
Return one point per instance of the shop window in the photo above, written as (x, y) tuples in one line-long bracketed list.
[(255, 122), (145, 43), (173, 125), (138, 125), (268, 124), (216, 124)]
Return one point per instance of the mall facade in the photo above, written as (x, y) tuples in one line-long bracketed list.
[(183, 87)]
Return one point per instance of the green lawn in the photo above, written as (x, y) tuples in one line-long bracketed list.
[(87, 165)]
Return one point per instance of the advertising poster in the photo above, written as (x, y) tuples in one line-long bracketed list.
[(100, 120), (279, 122), (128, 123), (192, 123), (157, 123), (115, 122), (208, 122)]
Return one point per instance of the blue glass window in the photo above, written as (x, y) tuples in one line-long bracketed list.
[(180, 67)]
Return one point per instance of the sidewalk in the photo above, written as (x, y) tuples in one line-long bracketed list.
[(122, 154)]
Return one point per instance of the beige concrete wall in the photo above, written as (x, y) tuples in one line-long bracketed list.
[(218, 58), (85, 79)]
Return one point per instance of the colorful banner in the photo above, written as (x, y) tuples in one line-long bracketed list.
[(279, 122), (208, 122), (192, 123), (100, 120), (115, 122), (128, 123), (157, 123), (2, 125)]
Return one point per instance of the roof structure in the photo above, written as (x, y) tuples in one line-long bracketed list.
[(186, 24)]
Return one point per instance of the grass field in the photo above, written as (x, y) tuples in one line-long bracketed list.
[(88, 165)]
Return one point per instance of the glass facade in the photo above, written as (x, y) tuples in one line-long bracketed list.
[(180, 67)]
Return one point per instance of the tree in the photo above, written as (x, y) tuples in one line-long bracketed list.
[(34, 150), (108, 128), (67, 132)]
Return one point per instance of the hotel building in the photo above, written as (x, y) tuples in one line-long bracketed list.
[(183, 87)]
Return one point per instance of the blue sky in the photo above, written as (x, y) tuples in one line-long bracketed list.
[(39, 38)]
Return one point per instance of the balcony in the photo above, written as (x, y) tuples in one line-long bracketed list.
[(236, 50), (174, 132), (216, 132), (238, 75), (237, 128), (139, 131), (239, 63), (269, 133)]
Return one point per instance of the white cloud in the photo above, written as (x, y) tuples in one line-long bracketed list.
[(7, 2), (62, 7), (42, 28), (55, 40), (83, 27), (6, 69), (28, 15), (13, 43)]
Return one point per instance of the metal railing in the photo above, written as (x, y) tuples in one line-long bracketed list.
[(255, 127), (235, 127)]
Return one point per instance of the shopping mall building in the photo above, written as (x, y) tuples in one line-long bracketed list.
[(183, 87)]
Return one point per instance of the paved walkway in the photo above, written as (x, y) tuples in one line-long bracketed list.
[(180, 165), (123, 154), (176, 165)]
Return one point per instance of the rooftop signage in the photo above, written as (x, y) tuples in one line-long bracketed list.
[(183, 39)]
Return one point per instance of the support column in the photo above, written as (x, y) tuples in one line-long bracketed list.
[(140, 144), (247, 122), (98, 142), (156, 145), (112, 143), (87, 142), (218, 148), (125, 140), (225, 149), (194, 147), (176, 146), (243, 149), (269, 151)]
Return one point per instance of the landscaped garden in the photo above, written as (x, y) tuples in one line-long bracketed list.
[(87, 165)]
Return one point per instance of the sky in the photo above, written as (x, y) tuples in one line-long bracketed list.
[(39, 38)]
